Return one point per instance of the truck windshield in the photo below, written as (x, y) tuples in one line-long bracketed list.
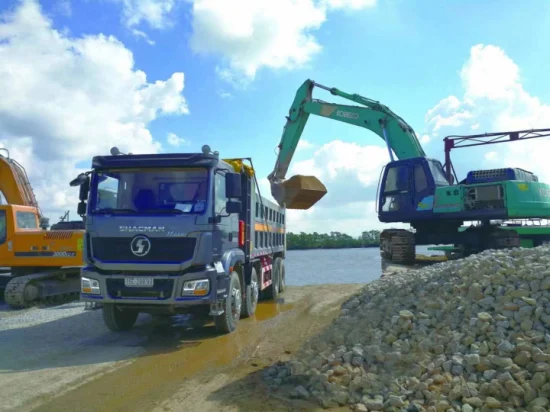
[(437, 173), (174, 191)]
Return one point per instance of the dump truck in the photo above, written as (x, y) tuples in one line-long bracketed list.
[(43, 265), (414, 188), (179, 233)]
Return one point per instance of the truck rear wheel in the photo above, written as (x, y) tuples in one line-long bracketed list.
[(251, 297), (272, 290), (118, 320), (227, 321), (279, 266)]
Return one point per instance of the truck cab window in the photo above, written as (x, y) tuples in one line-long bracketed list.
[(221, 198), (107, 191), (3, 229)]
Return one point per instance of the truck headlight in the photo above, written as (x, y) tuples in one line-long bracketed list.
[(90, 286), (199, 287)]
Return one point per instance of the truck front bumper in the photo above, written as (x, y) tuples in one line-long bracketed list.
[(166, 290)]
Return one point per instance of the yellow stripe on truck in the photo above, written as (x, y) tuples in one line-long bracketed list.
[(260, 227)]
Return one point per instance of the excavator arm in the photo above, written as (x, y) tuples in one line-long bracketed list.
[(302, 192), (15, 185)]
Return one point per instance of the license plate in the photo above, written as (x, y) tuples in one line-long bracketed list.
[(138, 282)]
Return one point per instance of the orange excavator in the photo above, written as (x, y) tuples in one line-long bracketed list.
[(43, 265)]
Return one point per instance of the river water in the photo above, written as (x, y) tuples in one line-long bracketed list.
[(321, 266)]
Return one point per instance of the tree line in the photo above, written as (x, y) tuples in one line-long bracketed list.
[(332, 240)]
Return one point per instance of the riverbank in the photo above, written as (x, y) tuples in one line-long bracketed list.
[(155, 366)]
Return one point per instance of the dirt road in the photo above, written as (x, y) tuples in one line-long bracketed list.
[(70, 361)]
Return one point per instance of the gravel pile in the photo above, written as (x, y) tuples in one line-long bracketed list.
[(467, 335)]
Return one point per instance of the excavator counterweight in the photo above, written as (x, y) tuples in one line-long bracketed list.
[(298, 192)]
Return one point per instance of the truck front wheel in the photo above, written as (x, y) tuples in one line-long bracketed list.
[(251, 298), (227, 321), (118, 320)]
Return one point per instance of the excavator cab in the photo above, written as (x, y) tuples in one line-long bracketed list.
[(298, 192), (407, 188)]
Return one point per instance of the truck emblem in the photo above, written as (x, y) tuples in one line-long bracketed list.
[(140, 246)]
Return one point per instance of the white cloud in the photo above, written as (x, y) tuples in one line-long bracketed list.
[(65, 100), (351, 218), (495, 100), (350, 173), (225, 95), (251, 34), (144, 36), (156, 13), (303, 144), (63, 7), (349, 4), (490, 156), (425, 139), (174, 140)]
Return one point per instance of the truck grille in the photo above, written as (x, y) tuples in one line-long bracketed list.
[(161, 290), (117, 249)]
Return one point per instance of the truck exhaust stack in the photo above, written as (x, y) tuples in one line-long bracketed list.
[(298, 192)]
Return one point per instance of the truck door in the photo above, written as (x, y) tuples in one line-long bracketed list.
[(227, 226), (396, 198)]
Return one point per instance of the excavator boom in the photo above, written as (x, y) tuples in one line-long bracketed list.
[(302, 192), (15, 185)]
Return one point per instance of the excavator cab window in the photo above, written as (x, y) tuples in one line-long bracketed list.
[(3, 229), (420, 180), (437, 173), (397, 179), (26, 220)]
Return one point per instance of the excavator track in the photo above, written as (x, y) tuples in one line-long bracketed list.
[(44, 288), (398, 246)]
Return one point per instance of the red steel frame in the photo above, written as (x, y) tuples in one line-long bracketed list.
[(455, 142)]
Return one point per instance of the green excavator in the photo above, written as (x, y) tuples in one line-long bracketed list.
[(413, 188)]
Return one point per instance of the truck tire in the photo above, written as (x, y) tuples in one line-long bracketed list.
[(252, 293), (279, 266), (118, 320), (227, 321), (272, 291)]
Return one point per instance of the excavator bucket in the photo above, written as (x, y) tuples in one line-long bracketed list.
[(299, 192)]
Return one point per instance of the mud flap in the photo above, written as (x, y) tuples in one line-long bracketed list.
[(216, 309)]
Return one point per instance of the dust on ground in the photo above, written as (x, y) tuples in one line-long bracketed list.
[(72, 362)]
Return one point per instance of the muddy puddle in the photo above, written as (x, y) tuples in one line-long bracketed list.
[(192, 368), (176, 348)]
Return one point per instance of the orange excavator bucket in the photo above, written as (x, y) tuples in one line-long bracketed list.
[(299, 192)]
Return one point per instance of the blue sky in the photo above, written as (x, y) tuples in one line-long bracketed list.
[(408, 55)]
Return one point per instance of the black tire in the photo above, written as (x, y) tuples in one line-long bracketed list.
[(118, 320), (251, 296), (227, 321), (279, 264), (273, 290)]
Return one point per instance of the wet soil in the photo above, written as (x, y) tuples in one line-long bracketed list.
[(182, 368)]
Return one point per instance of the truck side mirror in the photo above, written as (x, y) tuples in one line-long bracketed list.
[(84, 190), (233, 206), (81, 209), (79, 180), (233, 185)]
